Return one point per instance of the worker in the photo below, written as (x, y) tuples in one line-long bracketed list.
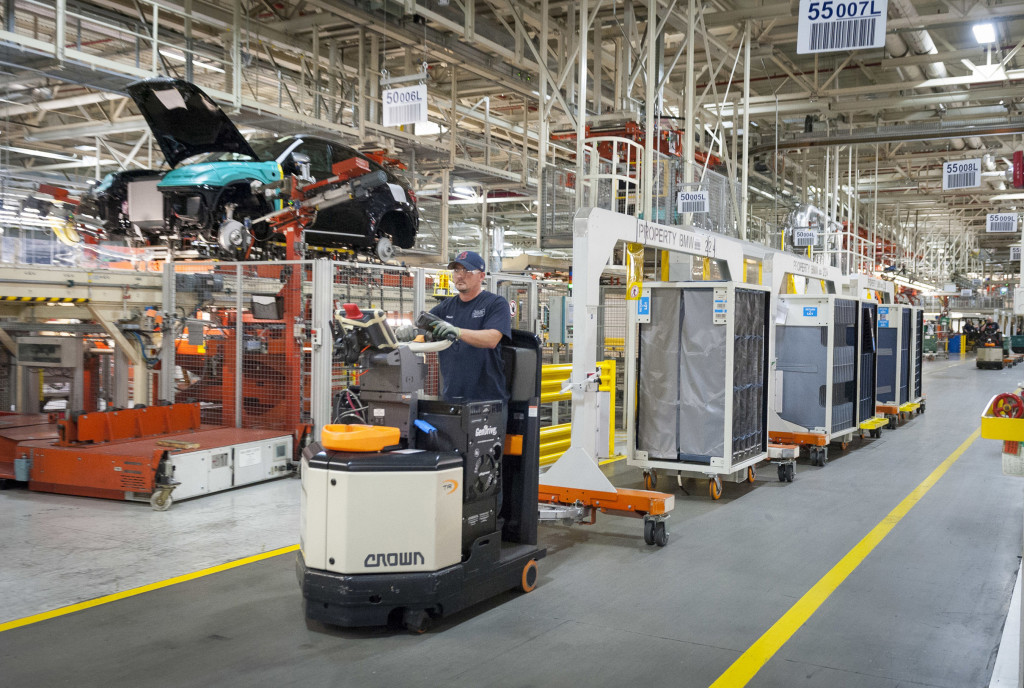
[(990, 327), (478, 320), (969, 328)]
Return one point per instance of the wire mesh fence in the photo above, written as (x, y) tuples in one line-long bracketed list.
[(238, 342)]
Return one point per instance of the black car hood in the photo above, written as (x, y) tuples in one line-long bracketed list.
[(185, 121)]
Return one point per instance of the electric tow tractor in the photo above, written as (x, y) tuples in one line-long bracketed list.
[(415, 507), (990, 350)]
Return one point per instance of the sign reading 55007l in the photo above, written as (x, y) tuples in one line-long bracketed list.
[(830, 25), (829, 9)]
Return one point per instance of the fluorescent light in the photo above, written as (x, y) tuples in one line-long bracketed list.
[(195, 63), (984, 33), (39, 154)]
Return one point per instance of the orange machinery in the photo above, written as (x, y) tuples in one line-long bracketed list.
[(670, 141), (146, 453)]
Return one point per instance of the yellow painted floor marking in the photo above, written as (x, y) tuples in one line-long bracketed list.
[(71, 608), (758, 654)]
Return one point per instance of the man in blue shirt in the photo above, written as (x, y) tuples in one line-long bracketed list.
[(471, 368)]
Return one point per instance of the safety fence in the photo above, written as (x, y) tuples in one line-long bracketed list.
[(250, 342), (555, 439)]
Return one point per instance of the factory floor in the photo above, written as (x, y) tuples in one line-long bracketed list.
[(893, 565)]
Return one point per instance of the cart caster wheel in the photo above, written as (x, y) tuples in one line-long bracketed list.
[(822, 456), (715, 487), (416, 620), (161, 501), (649, 532), (782, 473), (529, 579), (790, 472), (650, 480), (4, 483), (751, 474), (660, 534)]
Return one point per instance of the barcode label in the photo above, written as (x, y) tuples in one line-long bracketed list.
[(964, 174), (830, 25), (404, 105), (963, 180), (843, 35), (692, 202), (1001, 222)]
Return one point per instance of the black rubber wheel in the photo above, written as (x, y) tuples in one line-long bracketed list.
[(649, 532), (782, 473), (823, 456), (660, 534), (790, 472), (416, 620)]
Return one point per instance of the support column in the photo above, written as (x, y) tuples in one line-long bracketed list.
[(650, 98), (745, 160), (445, 192), (581, 104)]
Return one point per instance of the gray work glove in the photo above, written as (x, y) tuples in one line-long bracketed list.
[(405, 333), (443, 330)]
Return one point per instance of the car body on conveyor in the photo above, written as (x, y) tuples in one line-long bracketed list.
[(216, 177)]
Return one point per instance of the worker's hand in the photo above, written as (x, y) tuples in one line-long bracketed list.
[(443, 330), (405, 333)]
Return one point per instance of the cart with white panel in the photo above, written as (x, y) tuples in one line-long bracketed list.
[(701, 381), (817, 386)]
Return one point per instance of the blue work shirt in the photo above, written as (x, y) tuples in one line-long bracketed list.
[(468, 372)]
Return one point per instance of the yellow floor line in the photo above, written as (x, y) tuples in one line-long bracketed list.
[(758, 654), (71, 608)]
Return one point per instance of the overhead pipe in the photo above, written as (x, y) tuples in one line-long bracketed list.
[(920, 42)]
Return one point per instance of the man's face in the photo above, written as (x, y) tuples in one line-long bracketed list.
[(467, 282)]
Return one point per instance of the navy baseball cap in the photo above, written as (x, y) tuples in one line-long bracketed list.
[(470, 260)]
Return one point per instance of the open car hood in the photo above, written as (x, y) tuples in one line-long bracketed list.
[(185, 121)]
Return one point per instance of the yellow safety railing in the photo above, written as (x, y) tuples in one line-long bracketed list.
[(554, 439)]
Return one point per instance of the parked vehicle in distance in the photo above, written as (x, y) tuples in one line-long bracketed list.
[(210, 191)]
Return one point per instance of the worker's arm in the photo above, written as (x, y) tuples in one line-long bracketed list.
[(481, 339)]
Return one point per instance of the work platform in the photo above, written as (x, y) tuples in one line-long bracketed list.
[(606, 603)]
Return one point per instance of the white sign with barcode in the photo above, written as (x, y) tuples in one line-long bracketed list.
[(804, 237), (962, 174), (1001, 222), (834, 25), (692, 202), (1015, 253), (404, 105)]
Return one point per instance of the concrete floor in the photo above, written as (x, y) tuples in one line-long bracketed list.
[(925, 608)]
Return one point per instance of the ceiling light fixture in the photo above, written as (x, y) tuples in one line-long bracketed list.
[(984, 33), (39, 154)]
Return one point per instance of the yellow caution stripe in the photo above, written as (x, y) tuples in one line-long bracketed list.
[(42, 299), (95, 602)]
